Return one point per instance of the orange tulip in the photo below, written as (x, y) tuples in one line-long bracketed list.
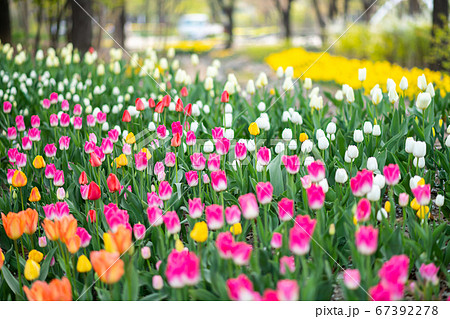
[(51, 229), (31, 220), (35, 196), (120, 241), (73, 244), (108, 266), (67, 227), (57, 290), (19, 179), (14, 224)]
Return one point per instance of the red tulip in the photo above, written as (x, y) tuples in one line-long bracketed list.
[(159, 107), (184, 92), (139, 104), (113, 183), (126, 117), (166, 100), (95, 160), (188, 110), (94, 192), (176, 140), (179, 106), (92, 216), (225, 97), (83, 178), (151, 103)]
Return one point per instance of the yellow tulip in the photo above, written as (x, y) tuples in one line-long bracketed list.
[(200, 232), (83, 264), (19, 179), (35, 196), (236, 229), (35, 255), (253, 129), (122, 160), (355, 221), (109, 245), (147, 153), (332, 230), (423, 211), (272, 91), (414, 204), (38, 162), (421, 182), (441, 121), (303, 137), (387, 206), (130, 139), (179, 245), (32, 270)]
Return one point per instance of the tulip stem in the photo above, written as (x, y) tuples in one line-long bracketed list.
[(391, 199), (96, 226), (21, 197), (19, 271)]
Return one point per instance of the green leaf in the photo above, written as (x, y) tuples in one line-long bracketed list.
[(276, 177), (46, 264), (11, 281)]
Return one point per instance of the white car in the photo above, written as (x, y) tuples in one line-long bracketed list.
[(197, 26)]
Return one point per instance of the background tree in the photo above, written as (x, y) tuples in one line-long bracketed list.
[(284, 9), (81, 24), (227, 7), (5, 22)]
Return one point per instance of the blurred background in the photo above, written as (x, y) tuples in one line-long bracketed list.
[(411, 33)]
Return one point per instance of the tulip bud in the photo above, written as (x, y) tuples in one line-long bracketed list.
[(145, 252), (422, 82), (420, 149), (372, 164), (409, 145), (157, 282), (403, 84), (32, 270), (353, 151), (42, 241), (358, 136), (403, 199), (362, 74), (439, 200), (341, 176), (423, 100), (376, 130)]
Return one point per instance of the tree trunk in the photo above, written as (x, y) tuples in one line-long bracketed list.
[(25, 22), (413, 6), (5, 22), (320, 18), (40, 14), (229, 26), (440, 14), (346, 10), (82, 25), (368, 12), (287, 24), (440, 34), (119, 29), (332, 9)]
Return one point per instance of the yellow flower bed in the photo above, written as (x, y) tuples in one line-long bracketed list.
[(197, 46), (345, 71)]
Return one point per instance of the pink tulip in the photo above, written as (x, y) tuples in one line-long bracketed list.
[(161, 131), (139, 231), (205, 178), (177, 128), (241, 253), (50, 150), (113, 135), (213, 162), (146, 253), (107, 146), (7, 106), (422, 194), (115, 216), (183, 269), (58, 180), (225, 244), (380, 293), (352, 278), (54, 98), (12, 133), (192, 178), (77, 123), (50, 211), (301, 234), (101, 117), (155, 215), (240, 151), (214, 216), (223, 146), (99, 153), (395, 270), (362, 183), (264, 192), (12, 154), (34, 134), (249, 206), (50, 171), (64, 142), (172, 222), (316, 171), (53, 120), (77, 110), (232, 215), (288, 290), (196, 208), (276, 241), (84, 236), (157, 282), (264, 156), (62, 209), (217, 133), (9, 175), (42, 242), (363, 210), (65, 120), (46, 104), (366, 238), (429, 273), (20, 123), (154, 200), (403, 199), (35, 121), (306, 181), (240, 289), (219, 181), (190, 138), (169, 160), (316, 197), (141, 161), (286, 209), (165, 191), (287, 264), (21, 159), (198, 161), (90, 120), (391, 174), (89, 147), (292, 163), (84, 190)]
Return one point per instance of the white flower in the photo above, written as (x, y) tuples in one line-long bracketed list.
[(379, 180), (308, 161), (358, 136), (289, 73), (419, 161), (261, 106), (307, 84), (423, 100), (376, 130), (195, 110), (367, 127), (323, 143), (324, 184), (279, 148), (413, 181), (377, 95), (319, 134), (206, 109), (280, 72), (362, 74), (285, 117), (316, 102), (331, 128), (314, 92), (151, 126), (296, 118), (430, 89), (229, 133), (420, 149), (409, 145), (403, 84), (100, 69), (250, 87), (105, 127), (382, 213), (341, 176), (251, 145), (393, 96), (194, 126), (208, 147), (262, 80), (194, 59), (390, 85), (228, 120), (339, 95), (447, 141), (350, 95), (352, 151), (287, 134), (372, 164), (422, 82), (374, 194), (292, 145), (347, 159), (307, 146), (288, 85), (209, 84), (439, 200)]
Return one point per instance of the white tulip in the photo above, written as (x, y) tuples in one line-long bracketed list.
[(250, 87), (374, 194), (420, 149), (422, 82), (292, 145), (381, 214), (447, 141), (323, 143), (208, 147), (151, 126), (307, 146), (339, 95), (347, 159), (251, 145), (423, 100), (409, 145), (358, 136), (296, 118), (206, 109), (194, 126), (430, 89), (280, 72), (419, 161), (413, 181), (379, 180), (367, 127), (353, 151), (261, 106), (308, 161), (324, 184), (314, 92), (331, 128), (209, 84), (316, 102), (341, 176), (279, 148), (285, 117), (288, 85), (307, 84), (393, 96), (390, 85), (229, 133), (289, 73), (376, 130), (287, 134), (439, 200), (362, 74), (350, 95), (377, 95), (228, 120), (403, 84), (372, 164), (194, 59)]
